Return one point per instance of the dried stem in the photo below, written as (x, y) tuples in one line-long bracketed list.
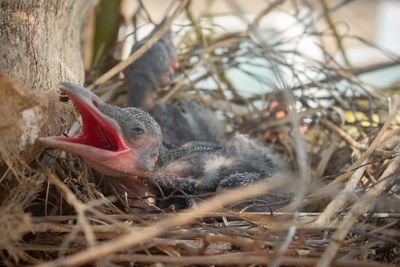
[(154, 230), (119, 67)]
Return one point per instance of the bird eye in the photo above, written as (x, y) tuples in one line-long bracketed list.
[(137, 131)]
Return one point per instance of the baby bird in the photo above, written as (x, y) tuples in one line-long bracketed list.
[(152, 70), (126, 143), (186, 122)]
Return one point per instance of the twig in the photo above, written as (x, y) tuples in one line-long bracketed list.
[(343, 134), (47, 248), (235, 258), (203, 61), (335, 32), (264, 125), (340, 179), (285, 245), (340, 200), (326, 156), (79, 207), (152, 231), (364, 204), (122, 65), (153, 217), (342, 74), (266, 10), (182, 81)]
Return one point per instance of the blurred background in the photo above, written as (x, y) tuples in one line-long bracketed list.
[(254, 62), (375, 21), (354, 33)]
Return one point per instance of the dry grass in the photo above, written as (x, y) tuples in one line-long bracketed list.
[(346, 206)]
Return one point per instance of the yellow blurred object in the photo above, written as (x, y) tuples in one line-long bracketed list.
[(362, 117)]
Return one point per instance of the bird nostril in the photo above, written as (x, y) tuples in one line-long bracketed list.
[(95, 103), (64, 97)]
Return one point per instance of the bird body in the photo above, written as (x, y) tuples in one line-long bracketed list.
[(187, 122), (152, 70), (126, 143)]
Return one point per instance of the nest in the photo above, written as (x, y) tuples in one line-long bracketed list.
[(339, 135)]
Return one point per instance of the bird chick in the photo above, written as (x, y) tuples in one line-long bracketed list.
[(186, 122), (152, 70), (126, 143)]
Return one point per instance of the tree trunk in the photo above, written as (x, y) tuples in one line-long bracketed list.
[(40, 41), (40, 47)]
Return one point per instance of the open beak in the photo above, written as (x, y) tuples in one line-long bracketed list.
[(101, 138)]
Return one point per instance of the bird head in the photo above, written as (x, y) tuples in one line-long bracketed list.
[(153, 70), (114, 141)]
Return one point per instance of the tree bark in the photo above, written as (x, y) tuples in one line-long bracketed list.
[(40, 41), (40, 46)]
